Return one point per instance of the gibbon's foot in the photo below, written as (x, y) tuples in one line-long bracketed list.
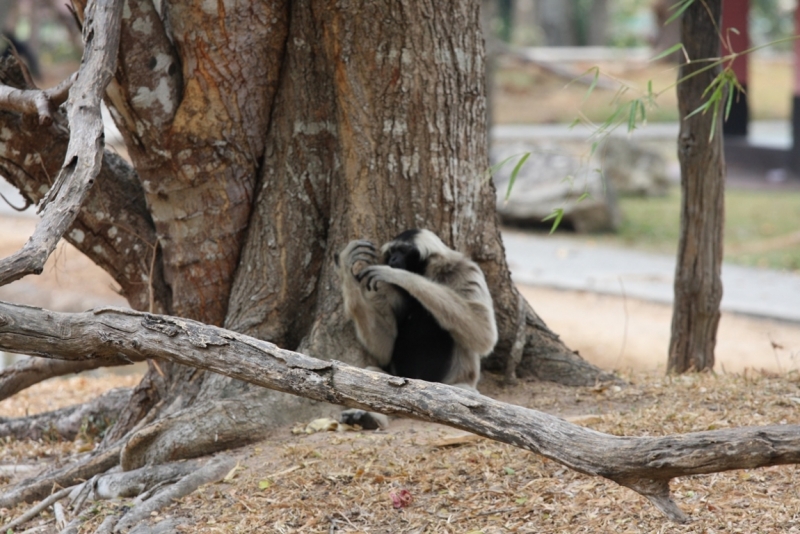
[(364, 419)]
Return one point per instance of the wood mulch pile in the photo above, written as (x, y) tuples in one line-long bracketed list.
[(420, 477)]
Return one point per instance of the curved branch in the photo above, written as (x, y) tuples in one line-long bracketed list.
[(66, 422), (25, 373), (85, 150), (42, 103), (645, 464)]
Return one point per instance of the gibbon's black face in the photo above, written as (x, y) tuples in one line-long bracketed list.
[(404, 254)]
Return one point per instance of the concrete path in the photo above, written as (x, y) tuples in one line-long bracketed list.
[(565, 263)]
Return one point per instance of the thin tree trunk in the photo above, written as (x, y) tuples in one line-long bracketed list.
[(698, 284)]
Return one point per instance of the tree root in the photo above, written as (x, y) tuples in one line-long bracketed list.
[(30, 371), (209, 427), (154, 488), (213, 471), (67, 422), (36, 510), (37, 488)]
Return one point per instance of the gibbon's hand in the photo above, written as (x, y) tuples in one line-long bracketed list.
[(370, 277), (357, 255)]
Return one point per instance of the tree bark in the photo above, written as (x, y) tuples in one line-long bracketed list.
[(698, 283), (645, 465), (265, 136)]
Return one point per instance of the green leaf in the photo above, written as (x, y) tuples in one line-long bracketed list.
[(668, 51), (557, 215), (515, 172), (509, 471), (679, 8), (594, 82), (497, 166), (264, 484), (632, 117), (521, 500), (584, 196)]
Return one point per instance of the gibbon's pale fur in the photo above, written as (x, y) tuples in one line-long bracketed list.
[(423, 310)]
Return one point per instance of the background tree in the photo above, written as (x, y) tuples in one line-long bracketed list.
[(264, 136), (698, 283)]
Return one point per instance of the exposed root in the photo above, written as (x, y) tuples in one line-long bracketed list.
[(213, 471), (37, 488), (154, 487), (202, 429), (545, 357), (30, 371), (36, 510), (67, 422)]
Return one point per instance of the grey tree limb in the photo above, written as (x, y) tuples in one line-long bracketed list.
[(66, 422), (25, 373), (213, 471), (644, 464), (33, 511), (85, 151), (35, 101)]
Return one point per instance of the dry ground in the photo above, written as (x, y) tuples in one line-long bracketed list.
[(344, 482)]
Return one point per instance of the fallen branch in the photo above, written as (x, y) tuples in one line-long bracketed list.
[(644, 464), (213, 471), (39, 487), (66, 422), (85, 151), (36, 510), (30, 371)]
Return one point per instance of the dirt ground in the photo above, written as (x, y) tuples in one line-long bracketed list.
[(350, 481)]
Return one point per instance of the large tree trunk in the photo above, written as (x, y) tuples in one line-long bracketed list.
[(265, 136), (698, 283)]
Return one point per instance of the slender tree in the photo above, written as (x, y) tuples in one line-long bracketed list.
[(698, 283)]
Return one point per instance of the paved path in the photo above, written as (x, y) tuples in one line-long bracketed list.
[(575, 265)]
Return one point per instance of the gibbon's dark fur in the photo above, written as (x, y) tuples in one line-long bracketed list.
[(422, 309)]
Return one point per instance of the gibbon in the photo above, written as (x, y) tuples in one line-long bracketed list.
[(421, 309)]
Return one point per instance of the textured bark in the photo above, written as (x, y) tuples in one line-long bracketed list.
[(267, 135), (25, 373), (698, 283), (113, 227), (67, 422), (645, 465), (85, 149)]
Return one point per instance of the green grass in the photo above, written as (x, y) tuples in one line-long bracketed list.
[(761, 228)]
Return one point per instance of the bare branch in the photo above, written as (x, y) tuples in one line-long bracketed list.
[(85, 150), (645, 465), (25, 373), (66, 422), (35, 101), (36, 510)]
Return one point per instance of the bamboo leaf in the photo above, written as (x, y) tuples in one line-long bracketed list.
[(514, 174), (679, 8), (667, 52), (557, 215), (593, 84)]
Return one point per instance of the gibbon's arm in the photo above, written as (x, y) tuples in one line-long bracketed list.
[(467, 314), (372, 312)]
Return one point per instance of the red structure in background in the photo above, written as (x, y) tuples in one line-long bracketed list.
[(736, 38), (794, 155)]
